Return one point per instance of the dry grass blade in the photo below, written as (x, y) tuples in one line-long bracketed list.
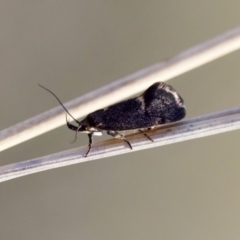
[(185, 130)]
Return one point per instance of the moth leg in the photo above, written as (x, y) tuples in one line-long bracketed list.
[(119, 136), (145, 135), (89, 144)]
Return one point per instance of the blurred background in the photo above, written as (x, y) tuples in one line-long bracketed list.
[(188, 190)]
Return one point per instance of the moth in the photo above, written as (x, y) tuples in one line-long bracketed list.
[(159, 104)]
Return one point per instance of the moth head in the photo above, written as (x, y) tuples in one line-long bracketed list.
[(79, 128), (84, 127)]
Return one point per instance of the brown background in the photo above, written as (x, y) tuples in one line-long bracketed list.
[(188, 190)]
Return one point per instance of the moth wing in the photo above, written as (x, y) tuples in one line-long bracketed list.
[(159, 104)]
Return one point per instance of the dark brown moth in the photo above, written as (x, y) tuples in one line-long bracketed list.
[(159, 104)]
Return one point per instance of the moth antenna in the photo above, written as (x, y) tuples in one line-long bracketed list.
[(60, 103)]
